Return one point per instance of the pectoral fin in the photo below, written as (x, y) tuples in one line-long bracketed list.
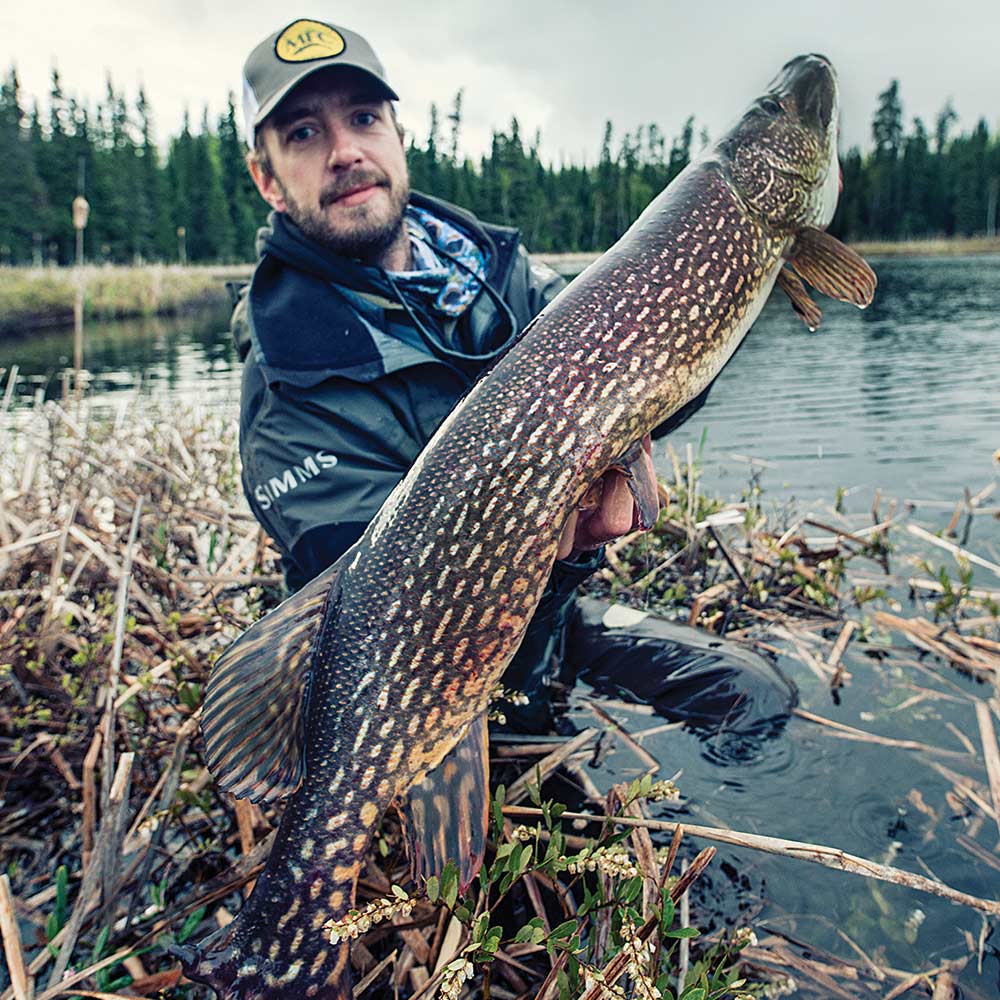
[(637, 467), (791, 284), (256, 694), (832, 268), (445, 816)]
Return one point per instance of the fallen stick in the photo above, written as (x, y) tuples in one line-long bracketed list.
[(168, 793), (841, 532), (990, 754), (837, 653), (829, 857), (922, 977), (955, 550), (875, 969), (55, 572), (615, 969), (548, 764), (947, 644), (820, 972), (137, 687), (376, 972), (113, 568), (64, 984), (116, 660), (865, 737), (641, 752), (684, 956), (89, 820), (961, 737), (111, 843), (20, 980), (8, 393), (91, 877), (977, 851), (24, 543)]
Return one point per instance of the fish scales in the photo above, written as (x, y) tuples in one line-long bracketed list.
[(433, 601)]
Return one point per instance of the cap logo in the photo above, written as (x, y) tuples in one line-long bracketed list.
[(304, 41)]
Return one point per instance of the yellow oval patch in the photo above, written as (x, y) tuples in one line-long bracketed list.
[(304, 41)]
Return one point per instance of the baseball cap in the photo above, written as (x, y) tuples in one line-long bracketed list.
[(283, 60)]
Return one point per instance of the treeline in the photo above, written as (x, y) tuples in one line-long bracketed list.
[(196, 203)]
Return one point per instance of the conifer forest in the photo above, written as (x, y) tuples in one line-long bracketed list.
[(191, 199)]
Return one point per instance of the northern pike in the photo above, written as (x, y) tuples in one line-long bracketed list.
[(352, 693)]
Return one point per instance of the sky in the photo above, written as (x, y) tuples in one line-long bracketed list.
[(562, 67)]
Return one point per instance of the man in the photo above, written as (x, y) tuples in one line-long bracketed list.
[(372, 310)]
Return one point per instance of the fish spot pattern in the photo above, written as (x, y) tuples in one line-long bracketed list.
[(405, 660)]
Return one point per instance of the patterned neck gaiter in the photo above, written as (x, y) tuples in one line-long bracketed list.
[(448, 267)]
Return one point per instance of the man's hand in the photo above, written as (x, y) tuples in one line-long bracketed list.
[(608, 510)]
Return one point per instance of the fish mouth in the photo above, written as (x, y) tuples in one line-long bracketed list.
[(809, 84)]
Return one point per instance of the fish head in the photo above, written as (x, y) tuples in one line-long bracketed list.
[(783, 151)]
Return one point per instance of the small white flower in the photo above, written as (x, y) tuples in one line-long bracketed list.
[(356, 922)]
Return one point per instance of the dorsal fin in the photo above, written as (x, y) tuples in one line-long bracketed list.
[(254, 699)]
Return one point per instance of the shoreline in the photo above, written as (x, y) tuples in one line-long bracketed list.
[(956, 247), (34, 299), (571, 264), (42, 298)]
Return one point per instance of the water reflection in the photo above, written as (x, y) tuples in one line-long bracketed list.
[(170, 358)]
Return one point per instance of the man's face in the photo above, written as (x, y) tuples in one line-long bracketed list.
[(338, 168)]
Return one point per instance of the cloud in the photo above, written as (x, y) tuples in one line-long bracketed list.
[(562, 67)]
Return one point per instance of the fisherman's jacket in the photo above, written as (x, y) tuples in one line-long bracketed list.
[(348, 372)]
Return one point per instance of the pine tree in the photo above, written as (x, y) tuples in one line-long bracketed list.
[(970, 172), (180, 180), (916, 182), (210, 235), (680, 150), (884, 189), (119, 211), (244, 204), (58, 171), (602, 235), (158, 240), (24, 200)]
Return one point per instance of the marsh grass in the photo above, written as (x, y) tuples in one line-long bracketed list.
[(116, 850)]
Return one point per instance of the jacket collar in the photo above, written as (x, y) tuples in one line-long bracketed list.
[(298, 278)]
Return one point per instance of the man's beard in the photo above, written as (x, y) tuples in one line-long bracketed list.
[(367, 232)]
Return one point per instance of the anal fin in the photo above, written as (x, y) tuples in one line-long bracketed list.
[(791, 284), (446, 816), (832, 268)]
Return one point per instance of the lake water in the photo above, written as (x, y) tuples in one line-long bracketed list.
[(901, 398)]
